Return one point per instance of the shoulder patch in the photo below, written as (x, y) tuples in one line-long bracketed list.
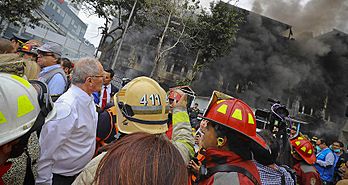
[(63, 110)]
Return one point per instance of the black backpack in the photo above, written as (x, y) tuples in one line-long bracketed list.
[(107, 131)]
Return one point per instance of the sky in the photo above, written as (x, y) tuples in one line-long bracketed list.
[(316, 16), (93, 34)]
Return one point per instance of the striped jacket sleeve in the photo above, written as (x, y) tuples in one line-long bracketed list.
[(182, 136)]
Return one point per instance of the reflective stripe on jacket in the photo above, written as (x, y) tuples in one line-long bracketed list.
[(182, 137), (229, 178)]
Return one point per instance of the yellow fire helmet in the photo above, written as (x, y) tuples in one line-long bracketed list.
[(18, 107), (142, 107)]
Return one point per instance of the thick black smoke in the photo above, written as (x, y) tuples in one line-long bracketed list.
[(265, 64), (264, 61), (317, 16)]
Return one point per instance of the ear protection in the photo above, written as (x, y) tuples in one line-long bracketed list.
[(220, 141)]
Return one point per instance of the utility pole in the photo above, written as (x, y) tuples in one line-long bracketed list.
[(123, 35)]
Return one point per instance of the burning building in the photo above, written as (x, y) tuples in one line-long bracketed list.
[(307, 73)]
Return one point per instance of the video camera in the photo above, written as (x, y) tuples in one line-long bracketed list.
[(191, 95), (274, 119)]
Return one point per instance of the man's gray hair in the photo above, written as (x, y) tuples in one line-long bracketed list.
[(83, 69)]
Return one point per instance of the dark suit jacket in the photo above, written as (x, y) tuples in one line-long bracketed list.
[(114, 90)]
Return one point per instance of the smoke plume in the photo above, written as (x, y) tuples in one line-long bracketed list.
[(317, 16), (265, 64)]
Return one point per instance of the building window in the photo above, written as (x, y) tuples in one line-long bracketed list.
[(139, 59), (169, 66), (177, 69), (51, 4)]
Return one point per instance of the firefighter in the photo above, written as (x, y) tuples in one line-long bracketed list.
[(29, 50), (173, 97), (304, 158), (227, 138), (141, 106), (20, 115), (17, 41)]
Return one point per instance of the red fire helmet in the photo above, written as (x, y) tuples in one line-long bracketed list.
[(304, 148), (173, 95), (235, 114)]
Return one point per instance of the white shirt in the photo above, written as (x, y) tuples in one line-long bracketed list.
[(68, 141), (108, 91)]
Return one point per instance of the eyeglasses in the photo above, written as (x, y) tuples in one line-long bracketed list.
[(44, 53), (97, 76)]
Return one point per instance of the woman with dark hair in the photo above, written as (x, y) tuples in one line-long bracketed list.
[(228, 138), (139, 158)]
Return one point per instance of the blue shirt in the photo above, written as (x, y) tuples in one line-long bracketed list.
[(96, 97), (57, 84)]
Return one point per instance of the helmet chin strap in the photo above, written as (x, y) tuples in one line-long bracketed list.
[(126, 110), (144, 121)]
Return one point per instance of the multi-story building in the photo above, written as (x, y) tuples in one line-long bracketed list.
[(59, 23), (266, 61)]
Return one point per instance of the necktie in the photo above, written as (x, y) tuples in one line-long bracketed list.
[(105, 97)]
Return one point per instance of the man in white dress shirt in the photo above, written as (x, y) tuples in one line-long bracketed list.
[(68, 141)]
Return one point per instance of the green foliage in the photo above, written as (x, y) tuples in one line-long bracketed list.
[(19, 11), (213, 33), (112, 9)]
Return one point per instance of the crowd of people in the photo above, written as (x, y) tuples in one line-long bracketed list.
[(95, 133)]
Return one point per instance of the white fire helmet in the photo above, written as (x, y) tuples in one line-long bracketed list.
[(19, 107)]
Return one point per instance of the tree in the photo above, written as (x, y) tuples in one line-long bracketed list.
[(212, 35), (117, 11), (171, 16), (19, 11)]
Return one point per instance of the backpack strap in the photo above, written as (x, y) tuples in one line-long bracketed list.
[(290, 171), (283, 179), (231, 168)]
